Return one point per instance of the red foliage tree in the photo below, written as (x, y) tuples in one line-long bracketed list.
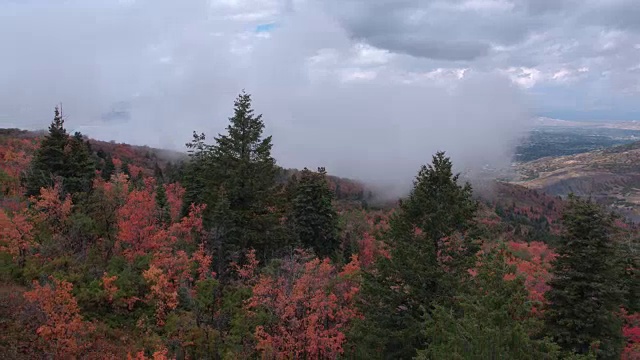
[(15, 156), (64, 332), (175, 193), (369, 249), (533, 261), (16, 237), (139, 231), (52, 209), (247, 272), (108, 284), (312, 305)]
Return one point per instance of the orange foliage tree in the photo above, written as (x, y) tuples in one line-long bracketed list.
[(175, 193), (64, 333), (52, 209), (16, 237), (310, 303), (140, 233)]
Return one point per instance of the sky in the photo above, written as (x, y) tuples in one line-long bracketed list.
[(368, 88)]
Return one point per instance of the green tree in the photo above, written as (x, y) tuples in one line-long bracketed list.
[(174, 172), (49, 160), (313, 218), (109, 168), (218, 235), (79, 167), (431, 239), (241, 163), (164, 213), (585, 293), (492, 320), (157, 173), (198, 176), (630, 261)]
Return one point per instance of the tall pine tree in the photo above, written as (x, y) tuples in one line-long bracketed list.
[(49, 160), (431, 239), (200, 186), (162, 204), (79, 167), (585, 294), (109, 168), (240, 162), (312, 218), (69, 159)]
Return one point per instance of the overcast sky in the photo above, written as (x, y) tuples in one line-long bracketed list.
[(368, 88)]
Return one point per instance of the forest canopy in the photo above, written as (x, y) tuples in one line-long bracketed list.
[(109, 253)]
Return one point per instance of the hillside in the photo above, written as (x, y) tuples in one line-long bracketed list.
[(17, 147), (121, 268), (610, 176)]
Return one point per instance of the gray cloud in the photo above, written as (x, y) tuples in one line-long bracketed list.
[(550, 34)]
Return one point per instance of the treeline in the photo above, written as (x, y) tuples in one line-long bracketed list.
[(221, 259)]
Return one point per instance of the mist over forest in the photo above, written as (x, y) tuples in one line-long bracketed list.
[(306, 179)]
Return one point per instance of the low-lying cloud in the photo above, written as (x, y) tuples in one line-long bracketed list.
[(328, 100)]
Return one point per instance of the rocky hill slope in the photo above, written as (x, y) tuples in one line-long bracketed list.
[(610, 176)]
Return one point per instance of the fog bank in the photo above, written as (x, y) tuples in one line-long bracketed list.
[(145, 72)]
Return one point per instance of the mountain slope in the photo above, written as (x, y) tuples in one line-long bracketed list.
[(610, 176)]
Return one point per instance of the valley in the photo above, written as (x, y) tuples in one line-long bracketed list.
[(591, 161)]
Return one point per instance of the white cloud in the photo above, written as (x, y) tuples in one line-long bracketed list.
[(369, 55), (523, 76)]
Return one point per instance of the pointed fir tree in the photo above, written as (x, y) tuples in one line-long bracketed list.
[(219, 234), (424, 269), (241, 162), (174, 172), (80, 167), (158, 174), (49, 160), (313, 219), (630, 265), (585, 293), (162, 204), (108, 168), (198, 177)]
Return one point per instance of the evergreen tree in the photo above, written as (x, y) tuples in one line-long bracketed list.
[(49, 160), (125, 168), (198, 177), (630, 264), (164, 213), (157, 173), (241, 163), (80, 168), (312, 217), (174, 172), (431, 240), (493, 320), (585, 295), (218, 239), (109, 167)]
